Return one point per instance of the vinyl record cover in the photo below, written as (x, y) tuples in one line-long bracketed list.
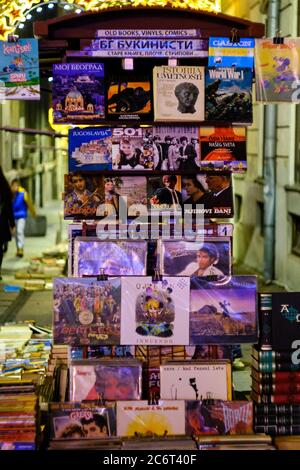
[(117, 379), (209, 258), (219, 417), (134, 149), (228, 94), (83, 194), (86, 311), (78, 93), (115, 258), (286, 322), (192, 380), (129, 97), (207, 194), (224, 53), (178, 93), (277, 70), (155, 312), (178, 147), (223, 148), (138, 419), (90, 149), (164, 193), (20, 75), (223, 312), (81, 421)]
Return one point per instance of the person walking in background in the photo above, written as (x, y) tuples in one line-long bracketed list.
[(21, 204), (7, 222)]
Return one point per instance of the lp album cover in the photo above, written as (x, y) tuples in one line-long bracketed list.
[(90, 149), (155, 313)]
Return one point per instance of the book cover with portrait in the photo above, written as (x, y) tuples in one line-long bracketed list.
[(139, 419), (86, 311), (114, 258), (219, 417), (129, 98), (117, 379), (155, 312), (178, 93), (207, 194), (90, 149), (178, 147), (223, 148), (78, 93), (134, 149), (193, 380), (223, 312), (81, 421), (208, 258), (228, 94)]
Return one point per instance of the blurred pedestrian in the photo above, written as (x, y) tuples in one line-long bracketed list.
[(21, 204), (7, 222)]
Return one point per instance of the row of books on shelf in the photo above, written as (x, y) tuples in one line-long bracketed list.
[(83, 93), (138, 310), (160, 148)]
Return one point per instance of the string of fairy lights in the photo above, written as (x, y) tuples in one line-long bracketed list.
[(14, 14)]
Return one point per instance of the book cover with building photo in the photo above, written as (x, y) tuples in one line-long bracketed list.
[(223, 148), (228, 94), (78, 93), (86, 311), (129, 97), (155, 312), (134, 149), (90, 149), (223, 312), (178, 93)]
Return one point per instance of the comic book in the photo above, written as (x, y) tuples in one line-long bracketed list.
[(78, 93), (277, 70)]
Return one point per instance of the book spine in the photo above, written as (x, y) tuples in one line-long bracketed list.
[(279, 399), (279, 388), (265, 320), (276, 420), (273, 356), (269, 367), (278, 430), (275, 378)]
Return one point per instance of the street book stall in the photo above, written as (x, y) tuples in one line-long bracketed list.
[(148, 320)]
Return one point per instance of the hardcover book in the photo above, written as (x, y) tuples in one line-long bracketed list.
[(219, 417), (78, 93), (129, 97), (178, 93), (223, 148), (139, 419), (90, 149), (209, 258), (155, 312), (117, 379), (86, 311), (195, 380), (228, 95), (114, 258), (223, 312)]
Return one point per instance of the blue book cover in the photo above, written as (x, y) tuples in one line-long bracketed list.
[(90, 148), (78, 93), (228, 95), (19, 70), (224, 53)]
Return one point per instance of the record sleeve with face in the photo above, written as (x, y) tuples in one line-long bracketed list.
[(114, 258), (117, 379), (155, 312), (134, 149), (223, 312), (208, 258), (86, 311), (139, 419)]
